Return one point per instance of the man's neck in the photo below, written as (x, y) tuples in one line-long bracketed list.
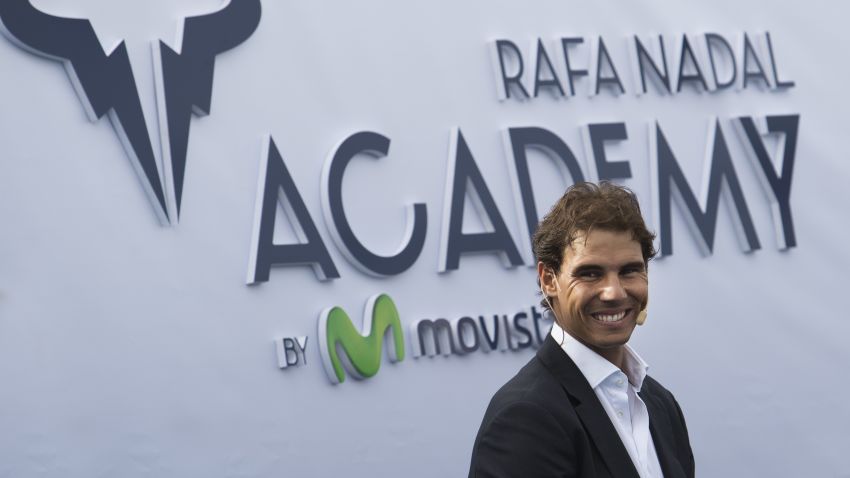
[(615, 355)]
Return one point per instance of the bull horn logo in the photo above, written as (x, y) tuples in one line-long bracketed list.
[(106, 85)]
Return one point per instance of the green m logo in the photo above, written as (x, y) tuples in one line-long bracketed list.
[(362, 357)]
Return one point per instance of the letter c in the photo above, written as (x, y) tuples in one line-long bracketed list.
[(377, 146)]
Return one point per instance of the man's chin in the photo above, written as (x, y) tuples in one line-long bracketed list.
[(616, 335)]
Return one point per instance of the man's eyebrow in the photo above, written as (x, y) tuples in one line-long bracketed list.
[(587, 268), (639, 265), (634, 265)]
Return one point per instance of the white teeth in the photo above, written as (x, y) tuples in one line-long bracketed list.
[(610, 318)]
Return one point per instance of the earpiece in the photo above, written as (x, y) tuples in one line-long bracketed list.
[(546, 298), (641, 318)]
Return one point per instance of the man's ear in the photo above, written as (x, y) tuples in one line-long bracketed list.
[(547, 280)]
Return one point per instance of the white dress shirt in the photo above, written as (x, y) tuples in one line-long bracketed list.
[(617, 391)]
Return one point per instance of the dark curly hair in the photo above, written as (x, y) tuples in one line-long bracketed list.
[(583, 207)]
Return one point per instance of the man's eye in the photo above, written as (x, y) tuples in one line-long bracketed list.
[(590, 274), (632, 271)]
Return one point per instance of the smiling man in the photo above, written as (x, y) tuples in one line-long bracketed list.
[(584, 405)]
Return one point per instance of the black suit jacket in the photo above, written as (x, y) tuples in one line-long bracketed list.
[(548, 422)]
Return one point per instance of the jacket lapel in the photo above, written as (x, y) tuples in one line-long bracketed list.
[(593, 417)]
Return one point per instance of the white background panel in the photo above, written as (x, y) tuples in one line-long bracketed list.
[(130, 349)]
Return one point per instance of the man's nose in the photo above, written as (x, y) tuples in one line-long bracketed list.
[(612, 288)]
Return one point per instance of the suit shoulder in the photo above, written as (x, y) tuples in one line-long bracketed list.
[(654, 388), (523, 433), (668, 417), (533, 383), (653, 392)]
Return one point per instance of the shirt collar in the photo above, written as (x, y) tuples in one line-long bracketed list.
[(596, 368)]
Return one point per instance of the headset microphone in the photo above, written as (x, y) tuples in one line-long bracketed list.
[(641, 318)]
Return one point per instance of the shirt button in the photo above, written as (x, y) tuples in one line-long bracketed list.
[(620, 381), (619, 413)]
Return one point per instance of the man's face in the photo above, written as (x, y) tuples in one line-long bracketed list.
[(601, 288)]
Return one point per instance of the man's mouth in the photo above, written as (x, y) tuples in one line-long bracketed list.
[(610, 316)]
